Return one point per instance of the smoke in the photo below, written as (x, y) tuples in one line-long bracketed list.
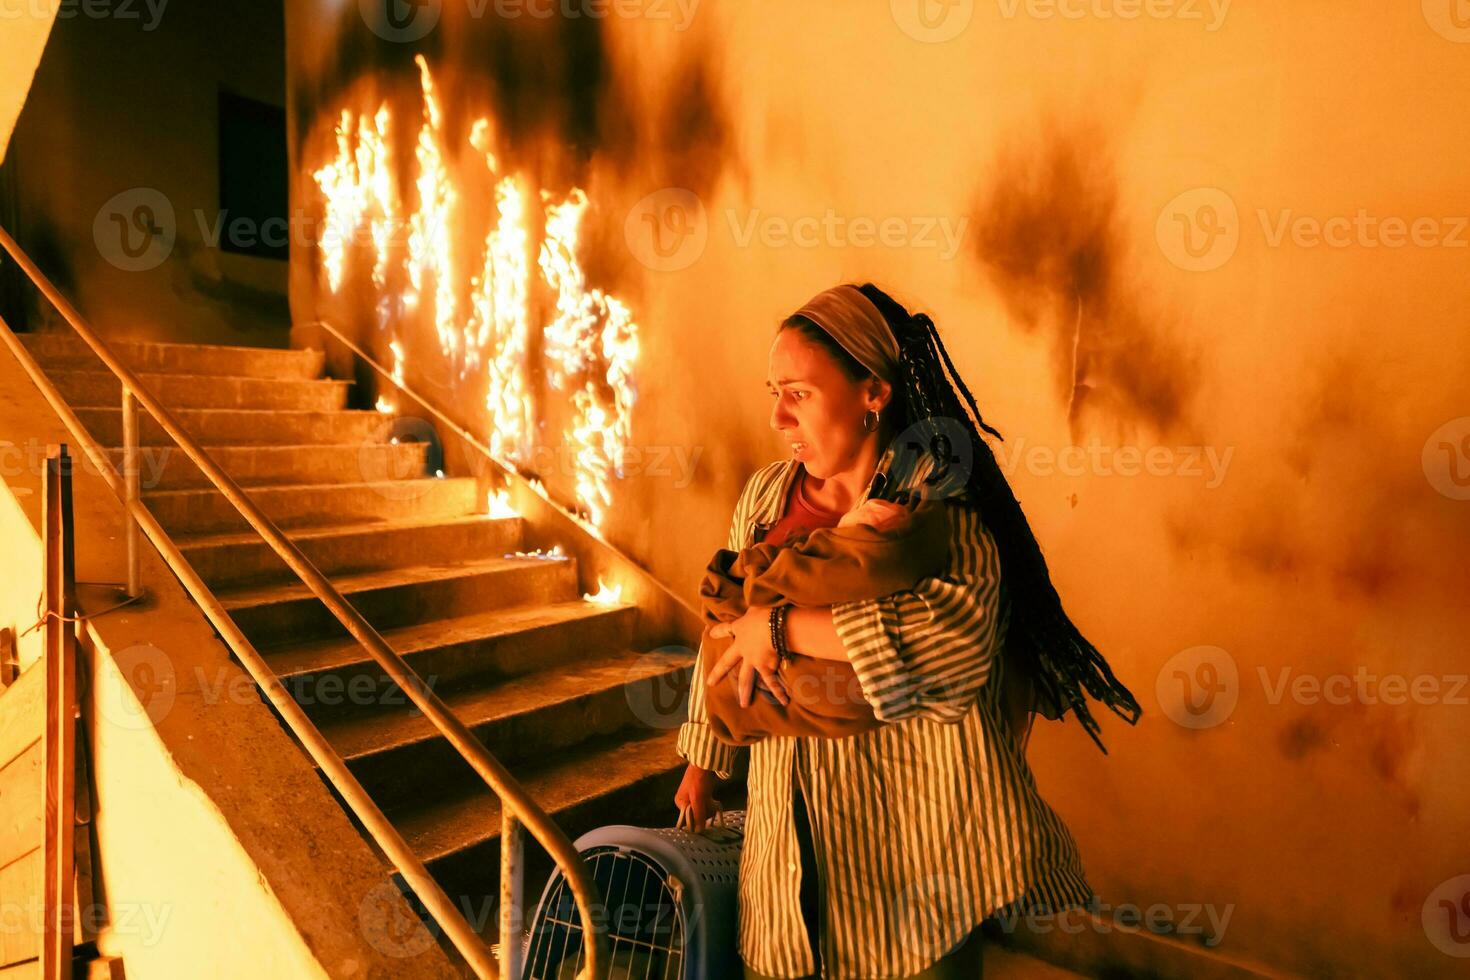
[(567, 95)]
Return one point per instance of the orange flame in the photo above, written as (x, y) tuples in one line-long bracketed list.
[(497, 504), (429, 253), (590, 345), (606, 594), (571, 342), (500, 317)]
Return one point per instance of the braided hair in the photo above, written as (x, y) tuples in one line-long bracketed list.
[(1041, 640)]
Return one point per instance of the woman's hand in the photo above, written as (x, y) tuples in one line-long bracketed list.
[(881, 514), (751, 652), (697, 793)]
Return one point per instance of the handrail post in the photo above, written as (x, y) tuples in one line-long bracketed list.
[(512, 854), (130, 485)]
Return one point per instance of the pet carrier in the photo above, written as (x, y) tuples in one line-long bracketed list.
[(668, 900)]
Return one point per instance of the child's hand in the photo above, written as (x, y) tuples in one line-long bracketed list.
[(879, 514)]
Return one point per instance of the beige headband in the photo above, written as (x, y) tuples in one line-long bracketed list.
[(858, 325)]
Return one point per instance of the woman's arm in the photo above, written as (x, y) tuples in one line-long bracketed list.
[(927, 651), (810, 631), (696, 744)]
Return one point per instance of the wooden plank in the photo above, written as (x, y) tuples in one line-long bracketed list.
[(22, 712), (59, 760), (20, 909), (50, 848), (29, 970), (21, 805)]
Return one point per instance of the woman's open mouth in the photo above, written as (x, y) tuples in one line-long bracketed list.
[(797, 448)]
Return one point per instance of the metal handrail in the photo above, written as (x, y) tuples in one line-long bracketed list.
[(517, 808), (510, 474)]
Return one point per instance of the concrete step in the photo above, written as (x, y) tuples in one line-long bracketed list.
[(65, 349), (400, 756), (273, 614), (102, 389), (169, 468), (317, 504), (336, 677), (630, 780), (235, 560), (245, 427)]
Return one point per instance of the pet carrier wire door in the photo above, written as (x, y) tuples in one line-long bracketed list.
[(668, 900)]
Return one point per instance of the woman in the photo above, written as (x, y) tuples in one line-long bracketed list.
[(878, 855)]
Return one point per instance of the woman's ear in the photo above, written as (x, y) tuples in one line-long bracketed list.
[(880, 390)]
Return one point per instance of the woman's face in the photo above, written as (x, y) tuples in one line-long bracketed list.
[(815, 408)]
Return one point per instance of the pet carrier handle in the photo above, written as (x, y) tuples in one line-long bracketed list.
[(686, 817)]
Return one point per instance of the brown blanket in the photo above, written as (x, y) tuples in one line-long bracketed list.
[(826, 566)]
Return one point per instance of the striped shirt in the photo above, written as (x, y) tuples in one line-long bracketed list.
[(922, 826)]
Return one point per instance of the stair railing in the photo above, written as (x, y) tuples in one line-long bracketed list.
[(517, 808)]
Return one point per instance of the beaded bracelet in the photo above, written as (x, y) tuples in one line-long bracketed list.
[(778, 633)]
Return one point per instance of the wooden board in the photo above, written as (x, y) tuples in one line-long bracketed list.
[(22, 712), (20, 898), (21, 805)]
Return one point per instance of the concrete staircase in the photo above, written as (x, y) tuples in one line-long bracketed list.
[(543, 677)]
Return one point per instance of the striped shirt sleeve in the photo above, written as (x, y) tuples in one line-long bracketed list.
[(696, 743), (927, 651)]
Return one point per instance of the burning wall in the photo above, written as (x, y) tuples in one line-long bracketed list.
[(1230, 403), (412, 244)]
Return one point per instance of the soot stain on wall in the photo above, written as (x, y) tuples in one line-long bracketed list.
[(1049, 239), (550, 80)]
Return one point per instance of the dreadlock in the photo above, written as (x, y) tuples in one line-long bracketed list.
[(1041, 640)]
